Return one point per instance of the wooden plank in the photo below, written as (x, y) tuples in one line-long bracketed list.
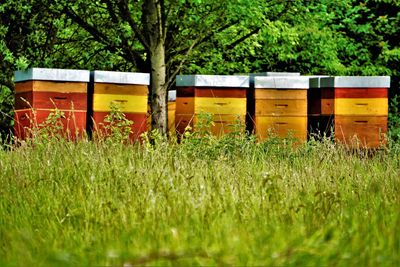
[(74, 122), (185, 91), (327, 106), (223, 124), (280, 107), (120, 89), (51, 100), (220, 92), (139, 124), (171, 116), (220, 105), (185, 105), (280, 94), (126, 103), (361, 106), (47, 86), (361, 93), (281, 127), (361, 131)]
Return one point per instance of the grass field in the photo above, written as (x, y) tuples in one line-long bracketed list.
[(207, 202)]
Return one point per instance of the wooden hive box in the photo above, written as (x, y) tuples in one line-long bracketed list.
[(171, 111), (221, 96), (281, 107), (128, 91), (39, 91), (357, 108)]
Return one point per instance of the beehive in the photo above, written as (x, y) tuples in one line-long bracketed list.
[(281, 107), (127, 91), (355, 108), (222, 96), (171, 111), (39, 91)]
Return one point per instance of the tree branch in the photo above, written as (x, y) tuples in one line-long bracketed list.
[(126, 15)]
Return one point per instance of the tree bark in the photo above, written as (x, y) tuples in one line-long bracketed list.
[(154, 30)]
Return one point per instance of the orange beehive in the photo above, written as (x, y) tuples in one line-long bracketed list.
[(355, 108), (171, 111), (221, 96), (127, 91), (39, 91), (281, 106)]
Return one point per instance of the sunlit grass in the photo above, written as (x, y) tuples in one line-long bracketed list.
[(207, 201)]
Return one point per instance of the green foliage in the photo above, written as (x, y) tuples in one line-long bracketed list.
[(117, 128), (394, 120)]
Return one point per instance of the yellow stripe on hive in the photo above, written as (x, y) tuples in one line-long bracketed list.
[(280, 94), (361, 106), (220, 105), (120, 89), (126, 103), (279, 107)]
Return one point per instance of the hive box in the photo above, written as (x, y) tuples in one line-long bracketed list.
[(127, 91), (352, 109), (39, 91), (222, 96), (281, 107), (171, 111)]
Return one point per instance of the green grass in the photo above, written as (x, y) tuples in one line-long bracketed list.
[(204, 202)]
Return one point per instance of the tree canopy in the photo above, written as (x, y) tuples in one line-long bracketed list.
[(169, 37)]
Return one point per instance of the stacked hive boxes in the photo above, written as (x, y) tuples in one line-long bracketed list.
[(125, 90), (222, 96), (355, 108), (281, 106), (171, 111), (39, 91)]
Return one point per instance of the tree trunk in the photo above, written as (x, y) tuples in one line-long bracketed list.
[(158, 91), (154, 30)]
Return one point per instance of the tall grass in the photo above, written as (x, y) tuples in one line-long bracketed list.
[(207, 201)]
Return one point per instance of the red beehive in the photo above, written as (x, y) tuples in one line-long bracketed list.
[(355, 108), (39, 92)]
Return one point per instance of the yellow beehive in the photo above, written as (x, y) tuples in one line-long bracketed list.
[(221, 96), (281, 106)]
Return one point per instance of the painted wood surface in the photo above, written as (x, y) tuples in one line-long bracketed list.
[(185, 92), (26, 120), (139, 123), (120, 89), (126, 103), (223, 124), (185, 105), (171, 117), (281, 107), (220, 105), (51, 100), (221, 92), (280, 94), (361, 131), (182, 121), (281, 127), (361, 93), (48, 86), (361, 106)]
